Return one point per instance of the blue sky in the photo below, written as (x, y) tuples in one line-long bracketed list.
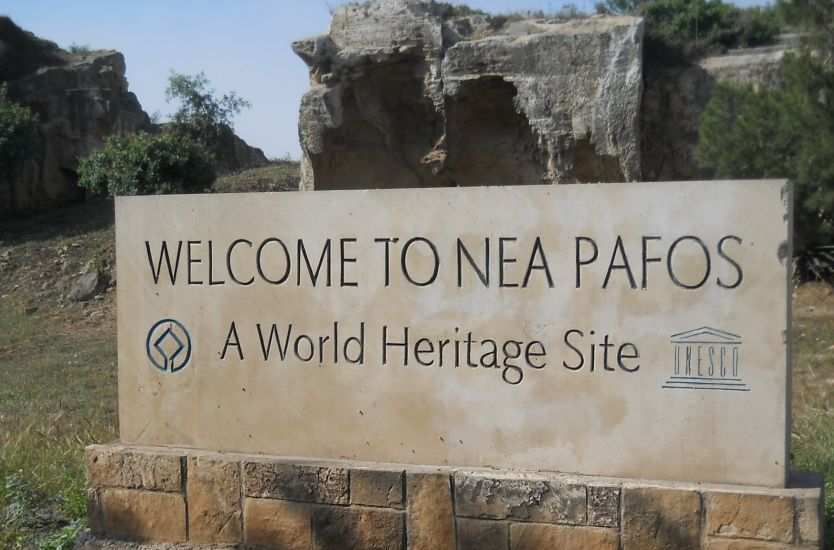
[(241, 45)]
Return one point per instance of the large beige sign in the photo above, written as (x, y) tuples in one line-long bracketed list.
[(633, 330)]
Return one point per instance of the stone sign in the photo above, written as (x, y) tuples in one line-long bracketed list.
[(635, 330)]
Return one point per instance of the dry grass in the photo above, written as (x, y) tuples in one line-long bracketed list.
[(281, 175), (813, 386)]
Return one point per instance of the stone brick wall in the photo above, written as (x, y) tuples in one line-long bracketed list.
[(201, 499)]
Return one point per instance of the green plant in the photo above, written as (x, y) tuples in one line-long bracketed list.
[(73, 500), (148, 164), (815, 19), (19, 138), (570, 10), (65, 538), (101, 259), (814, 451), (204, 117), (684, 29), (18, 500), (79, 48), (620, 7), (689, 29), (786, 132), (447, 10)]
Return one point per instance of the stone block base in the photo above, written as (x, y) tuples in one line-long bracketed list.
[(184, 498)]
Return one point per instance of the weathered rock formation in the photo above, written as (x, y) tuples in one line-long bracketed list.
[(79, 99), (245, 155), (402, 98)]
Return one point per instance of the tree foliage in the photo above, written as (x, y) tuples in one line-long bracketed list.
[(685, 29), (148, 164), (447, 10), (19, 138), (79, 49), (815, 19), (787, 132), (621, 7), (183, 158), (204, 117)]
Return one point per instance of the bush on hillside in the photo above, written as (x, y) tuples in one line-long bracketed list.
[(19, 138), (148, 164), (79, 49), (447, 10), (685, 29), (814, 19)]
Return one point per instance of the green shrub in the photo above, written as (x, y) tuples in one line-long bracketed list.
[(447, 10), (148, 164), (814, 19), (19, 138), (685, 29), (65, 538), (786, 132), (79, 48), (18, 501)]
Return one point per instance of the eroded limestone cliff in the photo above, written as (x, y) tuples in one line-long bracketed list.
[(403, 98)]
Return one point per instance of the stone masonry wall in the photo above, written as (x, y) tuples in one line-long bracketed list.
[(191, 499)]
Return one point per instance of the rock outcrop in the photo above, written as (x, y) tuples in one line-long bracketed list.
[(79, 99), (247, 156), (78, 103), (403, 98), (93, 281)]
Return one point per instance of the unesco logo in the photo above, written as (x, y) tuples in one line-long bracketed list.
[(169, 345), (706, 358)]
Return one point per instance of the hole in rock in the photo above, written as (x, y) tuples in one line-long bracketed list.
[(389, 124), (489, 141)]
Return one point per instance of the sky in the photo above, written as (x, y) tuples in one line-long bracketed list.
[(241, 46)]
